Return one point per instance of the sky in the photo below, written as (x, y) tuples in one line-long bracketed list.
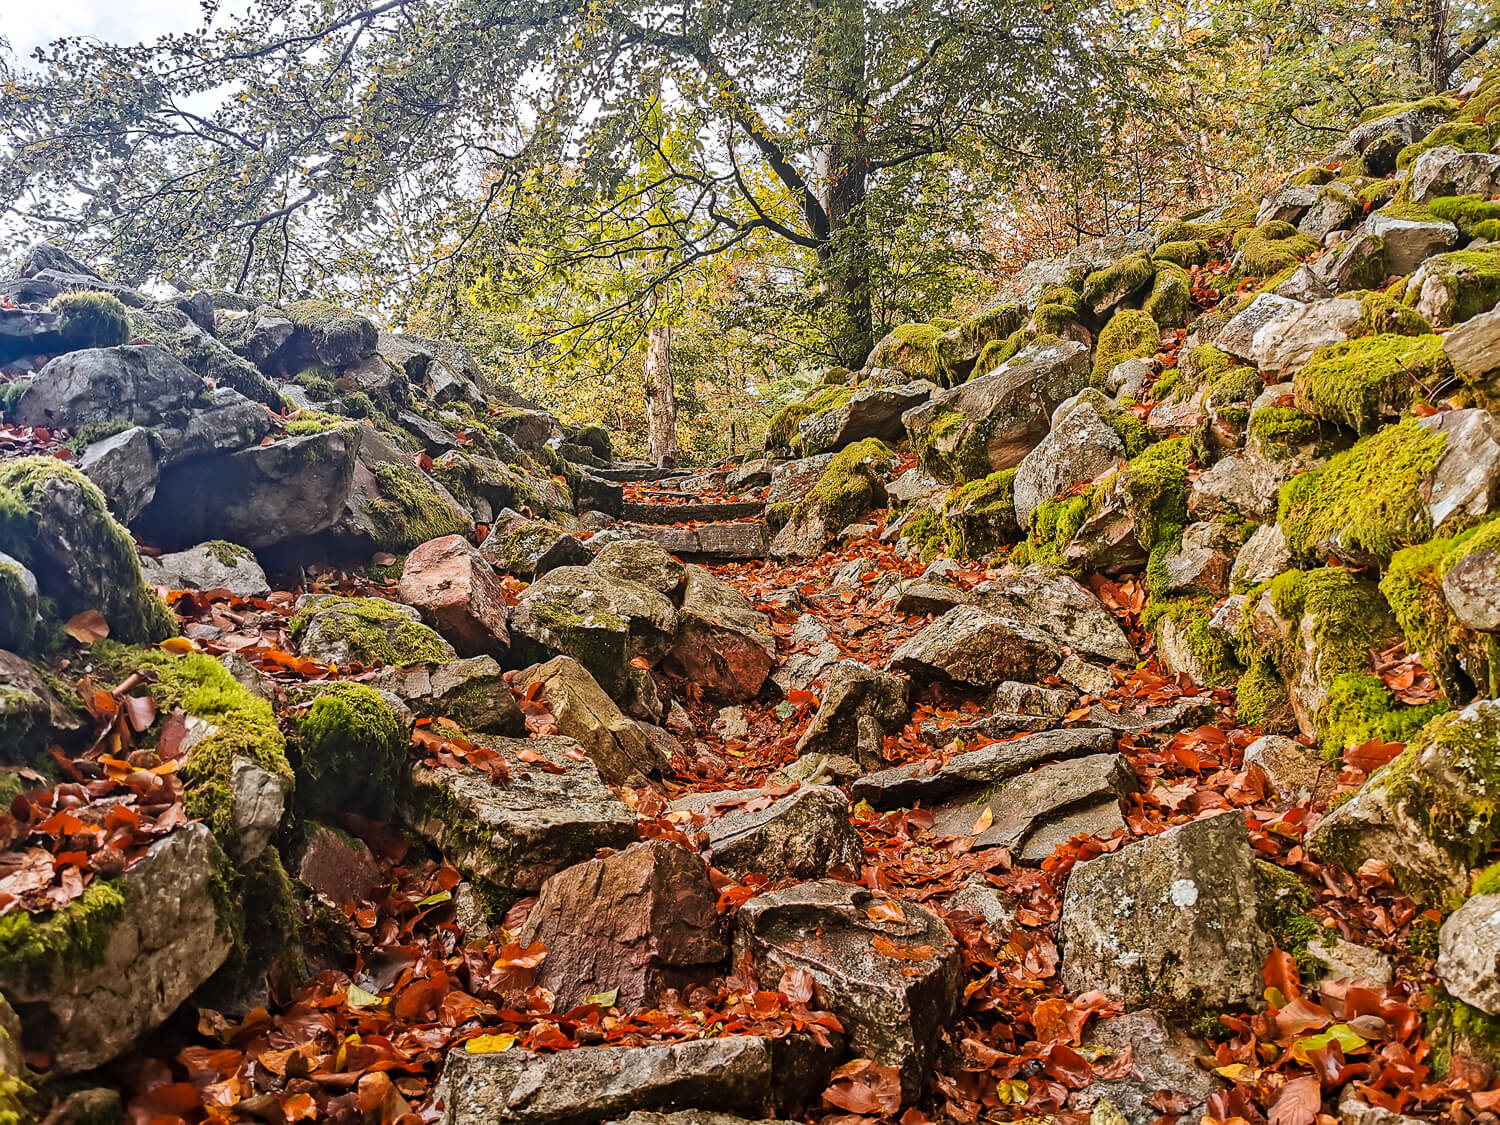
[(30, 25)]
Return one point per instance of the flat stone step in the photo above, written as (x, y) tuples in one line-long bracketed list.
[(690, 513), (709, 542), (627, 474)]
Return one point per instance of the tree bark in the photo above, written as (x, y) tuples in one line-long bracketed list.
[(661, 397), (843, 172)]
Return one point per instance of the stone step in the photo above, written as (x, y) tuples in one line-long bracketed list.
[(709, 542), (690, 513), (626, 474)]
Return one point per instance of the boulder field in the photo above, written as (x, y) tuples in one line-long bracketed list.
[(1087, 709)]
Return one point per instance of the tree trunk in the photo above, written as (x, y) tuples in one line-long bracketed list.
[(843, 170), (661, 397)]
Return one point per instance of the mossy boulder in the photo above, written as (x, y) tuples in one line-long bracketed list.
[(405, 507), (19, 619), (1317, 628), (1171, 296), (991, 422), (1431, 814), (1451, 288), (341, 630), (55, 523), (203, 354), (1270, 248), (91, 979), (1106, 288), (852, 484), (347, 748), (1186, 253), (1058, 307), (1130, 334), (324, 333), (1368, 501), (980, 517), (782, 427), (88, 319), (1464, 660), (1466, 212), (596, 439), (1364, 382), (599, 620)]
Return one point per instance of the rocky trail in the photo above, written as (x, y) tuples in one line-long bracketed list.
[(1086, 711)]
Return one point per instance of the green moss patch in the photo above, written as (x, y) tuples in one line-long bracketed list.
[(91, 320), (1130, 334), (44, 501), (409, 510), (374, 631), (1470, 280), (37, 951), (1368, 499), (1118, 280), (1463, 660), (1057, 308), (1466, 136), (1360, 383), (849, 487), (1171, 296), (347, 748), (1271, 248), (1186, 253)]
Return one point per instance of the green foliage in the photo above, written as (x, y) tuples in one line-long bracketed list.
[(91, 320), (1360, 383), (1368, 497)]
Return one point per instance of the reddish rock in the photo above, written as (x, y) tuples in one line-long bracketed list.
[(723, 645), (458, 593), (640, 920), (336, 865)]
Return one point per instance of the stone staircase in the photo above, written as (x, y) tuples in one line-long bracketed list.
[(715, 531)]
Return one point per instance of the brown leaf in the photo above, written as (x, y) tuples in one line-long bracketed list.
[(87, 627)]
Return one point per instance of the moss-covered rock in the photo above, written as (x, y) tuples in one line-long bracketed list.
[(1450, 288), (1056, 309), (596, 438), (325, 333), (913, 349), (783, 425), (1189, 252), (1363, 382), (1280, 430), (851, 485), (1171, 296), (409, 510), (1463, 660), (980, 516), (56, 524), (237, 724), (1130, 334), (1432, 814), (1271, 248), (343, 630), (1381, 314), (91, 320), (37, 951), (1105, 288), (1466, 136), (347, 749), (1366, 502), (1466, 212)]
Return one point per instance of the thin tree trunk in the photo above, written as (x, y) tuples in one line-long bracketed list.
[(843, 163), (661, 396)]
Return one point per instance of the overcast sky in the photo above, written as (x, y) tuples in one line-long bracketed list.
[(31, 24)]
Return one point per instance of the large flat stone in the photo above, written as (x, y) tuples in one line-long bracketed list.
[(514, 835), (802, 835), (976, 769), (737, 1074)]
